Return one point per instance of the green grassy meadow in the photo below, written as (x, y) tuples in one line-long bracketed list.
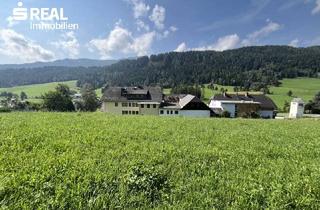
[(99, 161), (304, 88), (38, 89)]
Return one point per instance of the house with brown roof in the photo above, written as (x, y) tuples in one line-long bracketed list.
[(240, 104), (184, 105), (132, 100)]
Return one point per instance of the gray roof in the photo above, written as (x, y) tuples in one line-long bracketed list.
[(265, 102), (182, 102), (136, 94)]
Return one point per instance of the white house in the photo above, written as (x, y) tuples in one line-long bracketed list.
[(296, 108), (184, 105), (237, 105)]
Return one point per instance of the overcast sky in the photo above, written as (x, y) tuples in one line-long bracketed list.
[(112, 29)]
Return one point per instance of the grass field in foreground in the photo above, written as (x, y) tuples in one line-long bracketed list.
[(37, 90), (97, 161)]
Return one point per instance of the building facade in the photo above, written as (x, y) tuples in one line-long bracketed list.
[(239, 105), (132, 100)]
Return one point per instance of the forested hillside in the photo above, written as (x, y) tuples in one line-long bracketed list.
[(249, 68)]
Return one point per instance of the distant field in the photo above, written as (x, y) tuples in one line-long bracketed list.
[(99, 161), (304, 88), (38, 89)]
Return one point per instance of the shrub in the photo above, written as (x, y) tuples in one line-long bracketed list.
[(225, 114)]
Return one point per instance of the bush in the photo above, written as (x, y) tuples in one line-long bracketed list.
[(4, 109), (225, 114), (250, 115)]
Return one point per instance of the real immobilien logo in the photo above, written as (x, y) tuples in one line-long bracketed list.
[(43, 18)]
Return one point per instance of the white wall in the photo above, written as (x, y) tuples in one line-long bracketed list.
[(296, 110), (231, 108), (185, 113), (266, 114), (195, 113)]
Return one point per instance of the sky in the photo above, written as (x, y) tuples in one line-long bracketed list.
[(115, 29)]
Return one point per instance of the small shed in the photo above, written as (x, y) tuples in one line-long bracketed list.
[(296, 108)]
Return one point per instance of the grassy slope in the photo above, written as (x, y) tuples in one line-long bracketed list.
[(305, 88), (86, 161), (38, 89)]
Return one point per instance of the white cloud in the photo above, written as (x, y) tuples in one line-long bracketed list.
[(263, 32), (317, 8), (294, 43), (224, 43), (140, 9), (121, 41), (142, 25), (173, 28), (69, 43), (182, 47), (158, 16), (15, 45)]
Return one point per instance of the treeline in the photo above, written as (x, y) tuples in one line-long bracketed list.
[(28, 76), (247, 68)]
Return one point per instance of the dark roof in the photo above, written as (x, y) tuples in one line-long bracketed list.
[(184, 102), (123, 94), (266, 103)]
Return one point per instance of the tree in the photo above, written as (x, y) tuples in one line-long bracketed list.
[(23, 96), (313, 107), (286, 106), (290, 93), (89, 98), (58, 100)]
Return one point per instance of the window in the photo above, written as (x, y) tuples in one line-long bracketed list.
[(171, 112), (148, 106), (154, 106), (124, 112), (124, 104), (142, 106), (161, 112), (168, 112), (116, 104), (176, 112), (129, 104), (137, 112)]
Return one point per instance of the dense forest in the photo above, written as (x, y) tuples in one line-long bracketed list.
[(27, 76), (249, 68)]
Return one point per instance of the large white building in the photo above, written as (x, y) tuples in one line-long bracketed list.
[(296, 108), (239, 105)]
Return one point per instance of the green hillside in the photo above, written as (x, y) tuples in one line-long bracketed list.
[(304, 88), (98, 161), (38, 89)]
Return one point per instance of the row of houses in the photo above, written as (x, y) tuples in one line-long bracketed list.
[(151, 101)]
